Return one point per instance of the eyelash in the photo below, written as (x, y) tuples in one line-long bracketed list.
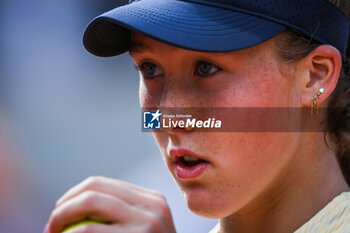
[(207, 63), (142, 68)]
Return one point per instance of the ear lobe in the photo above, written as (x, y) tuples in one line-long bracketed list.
[(323, 66)]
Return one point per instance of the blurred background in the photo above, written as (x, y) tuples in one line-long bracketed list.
[(66, 115)]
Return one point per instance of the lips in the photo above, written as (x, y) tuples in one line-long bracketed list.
[(187, 164)]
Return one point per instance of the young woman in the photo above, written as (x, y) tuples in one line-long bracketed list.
[(231, 54)]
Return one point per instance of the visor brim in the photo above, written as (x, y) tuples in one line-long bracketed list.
[(186, 25)]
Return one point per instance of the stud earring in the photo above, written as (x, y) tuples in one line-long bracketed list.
[(314, 102)]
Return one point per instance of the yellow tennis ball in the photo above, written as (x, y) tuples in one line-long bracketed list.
[(84, 222)]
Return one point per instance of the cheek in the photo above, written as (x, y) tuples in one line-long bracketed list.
[(150, 93), (253, 154), (142, 94), (259, 84), (245, 166), (146, 100), (254, 162)]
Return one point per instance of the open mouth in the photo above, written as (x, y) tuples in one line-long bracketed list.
[(191, 161), (187, 164), (190, 167)]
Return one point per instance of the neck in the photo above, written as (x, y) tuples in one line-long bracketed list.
[(311, 181)]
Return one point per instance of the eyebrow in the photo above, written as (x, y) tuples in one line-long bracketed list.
[(138, 47)]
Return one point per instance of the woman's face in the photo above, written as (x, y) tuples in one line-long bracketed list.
[(237, 169)]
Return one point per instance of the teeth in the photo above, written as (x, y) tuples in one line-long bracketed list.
[(189, 158)]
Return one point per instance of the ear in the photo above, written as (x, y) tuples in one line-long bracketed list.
[(319, 69)]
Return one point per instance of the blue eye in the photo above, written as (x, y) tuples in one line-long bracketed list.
[(149, 70), (206, 68)]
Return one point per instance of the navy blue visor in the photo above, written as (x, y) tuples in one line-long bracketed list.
[(215, 25)]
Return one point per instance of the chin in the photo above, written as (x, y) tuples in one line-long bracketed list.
[(206, 204), (205, 212)]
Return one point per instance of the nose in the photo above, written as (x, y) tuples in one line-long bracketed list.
[(177, 93), (177, 101)]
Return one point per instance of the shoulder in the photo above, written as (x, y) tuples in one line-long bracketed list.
[(333, 218)]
